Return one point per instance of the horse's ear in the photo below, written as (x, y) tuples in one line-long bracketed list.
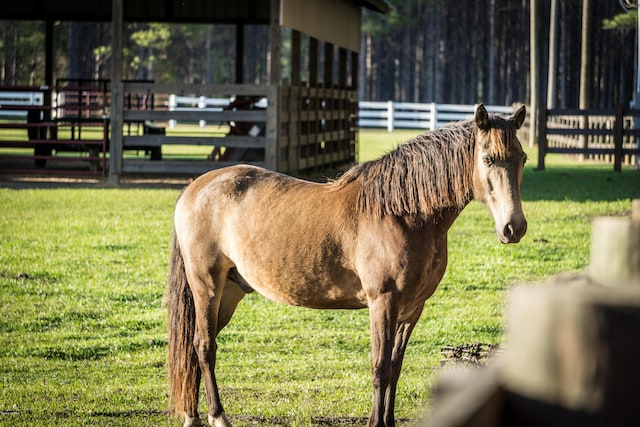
[(518, 117), (482, 118)]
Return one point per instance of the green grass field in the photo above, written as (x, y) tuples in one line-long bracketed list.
[(82, 277)]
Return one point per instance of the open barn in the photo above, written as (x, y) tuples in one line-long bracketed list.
[(302, 118)]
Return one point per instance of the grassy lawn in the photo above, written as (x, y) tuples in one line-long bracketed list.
[(82, 277)]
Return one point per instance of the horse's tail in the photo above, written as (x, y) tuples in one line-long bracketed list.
[(182, 362)]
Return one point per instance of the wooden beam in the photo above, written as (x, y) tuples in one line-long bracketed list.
[(117, 92)]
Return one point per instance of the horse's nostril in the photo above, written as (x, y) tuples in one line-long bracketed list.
[(508, 231)]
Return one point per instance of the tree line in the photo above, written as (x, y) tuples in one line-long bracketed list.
[(421, 51), (479, 51)]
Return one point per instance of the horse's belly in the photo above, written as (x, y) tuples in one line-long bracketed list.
[(340, 291)]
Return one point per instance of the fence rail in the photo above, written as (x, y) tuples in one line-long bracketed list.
[(387, 115), (406, 115), (609, 135)]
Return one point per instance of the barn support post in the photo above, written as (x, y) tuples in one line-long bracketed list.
[(117, 95), (275, 70)]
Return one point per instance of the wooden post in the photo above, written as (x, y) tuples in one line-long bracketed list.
[(615, 251), (585, 73), (271, 143), (618, 130), (542, 137), (273, 121), (313, 62), (117, 95), (635, 210), (572, 351), (342, 68), (275, 43), (328, 65), (534, 75), (296, 57), (553, 56), (48, 75)]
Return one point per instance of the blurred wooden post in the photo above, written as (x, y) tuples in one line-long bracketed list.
[(615, 251), (635, 210), (573, 351), (572, 348)]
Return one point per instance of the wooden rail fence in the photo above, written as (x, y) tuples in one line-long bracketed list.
[(609, 135)]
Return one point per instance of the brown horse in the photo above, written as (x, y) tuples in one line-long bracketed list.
[(376, 237)]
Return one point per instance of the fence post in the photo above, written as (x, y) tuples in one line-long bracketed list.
[(202, 103), (618, 126), (173, 103), (542, 135), (434, 116), (390, 116)]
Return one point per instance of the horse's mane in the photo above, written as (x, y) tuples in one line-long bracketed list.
[(428, 173)]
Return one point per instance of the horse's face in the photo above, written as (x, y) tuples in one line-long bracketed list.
[(497, 174)]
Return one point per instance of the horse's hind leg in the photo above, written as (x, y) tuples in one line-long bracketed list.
[(207, 300)]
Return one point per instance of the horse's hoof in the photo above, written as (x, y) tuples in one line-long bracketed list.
[(192, 421), (219, 421)]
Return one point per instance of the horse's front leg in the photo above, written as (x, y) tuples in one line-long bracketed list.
[(383, 315), (403, 332)]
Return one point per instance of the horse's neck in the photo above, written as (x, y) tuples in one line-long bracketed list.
[(444, 218)]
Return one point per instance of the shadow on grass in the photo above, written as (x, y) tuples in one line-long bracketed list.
[(580, 183)]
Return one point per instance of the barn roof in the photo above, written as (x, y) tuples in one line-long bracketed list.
[(185, 11)]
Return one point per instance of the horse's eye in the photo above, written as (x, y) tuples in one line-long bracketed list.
[(488, 160)]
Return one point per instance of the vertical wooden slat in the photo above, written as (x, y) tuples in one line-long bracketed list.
[(296, 57), (313, 62), (342, 68)]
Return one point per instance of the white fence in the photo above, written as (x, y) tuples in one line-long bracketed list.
[(18, 99), (406, 115), (201, 103), (389, 115)]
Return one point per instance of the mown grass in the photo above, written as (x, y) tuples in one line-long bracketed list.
[(82, 276)]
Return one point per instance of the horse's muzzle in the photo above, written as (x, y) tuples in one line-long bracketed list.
[(513, 232)]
